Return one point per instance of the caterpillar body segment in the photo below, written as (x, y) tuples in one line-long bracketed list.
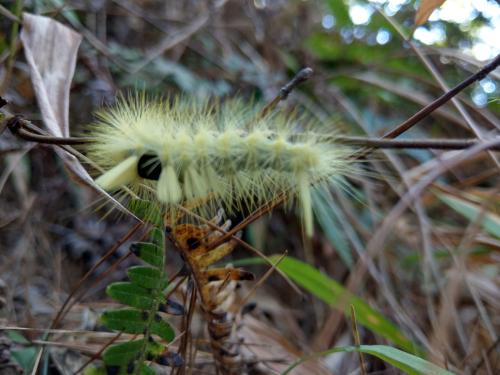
[(216, 289), (185, 150)]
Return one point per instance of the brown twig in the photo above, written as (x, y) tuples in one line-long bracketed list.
[(19, 127), (98, 354), (51, 140), (441, 144), (302, 76), (431, 107), (261, 281), (232, 234), (428, 109), (376, 243), (73, 292), (357, 340), (26, 130)]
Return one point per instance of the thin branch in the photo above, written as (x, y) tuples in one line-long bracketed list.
[(428, 109), (63, 309), (376, 243), (98, 354), (232, 233), (357, 340), (18, 126), (441, 144), (302, 76), (261, 281)]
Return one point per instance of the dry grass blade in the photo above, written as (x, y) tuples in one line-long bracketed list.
[(376, 243)]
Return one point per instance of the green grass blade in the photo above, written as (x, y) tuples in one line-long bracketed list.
[(404, 361), (490, 222), (329, 221), (334, 294)]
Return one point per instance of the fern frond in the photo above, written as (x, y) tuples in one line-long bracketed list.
[(145, 301)]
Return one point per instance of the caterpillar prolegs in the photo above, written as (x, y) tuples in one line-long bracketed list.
[(216, 289)]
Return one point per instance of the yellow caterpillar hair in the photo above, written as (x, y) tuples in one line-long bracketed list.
[(221, 154)]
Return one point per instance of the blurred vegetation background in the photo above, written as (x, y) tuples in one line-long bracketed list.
[(435, 279)]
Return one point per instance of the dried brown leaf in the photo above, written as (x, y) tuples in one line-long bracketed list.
[(425, 10), (51, 50)]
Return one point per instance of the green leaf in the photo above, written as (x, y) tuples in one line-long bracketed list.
[(490, 222), (329, 222), (147, 211), (95, 370), (406, 362), (17, 337), (118, 370), (157, 237), (124, 353), (334, 294), (145, 370), (147, 277), (132, 295), (135, 321), (148, 252), (25, 357)]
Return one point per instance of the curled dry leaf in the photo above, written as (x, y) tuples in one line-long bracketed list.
[(425, 10), (51, 50)]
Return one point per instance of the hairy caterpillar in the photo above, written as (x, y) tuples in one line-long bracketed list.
[(223, 154)]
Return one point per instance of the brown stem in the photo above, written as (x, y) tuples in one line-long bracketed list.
[(424, 112), (302, 76), (17, 125), (441, 144)]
